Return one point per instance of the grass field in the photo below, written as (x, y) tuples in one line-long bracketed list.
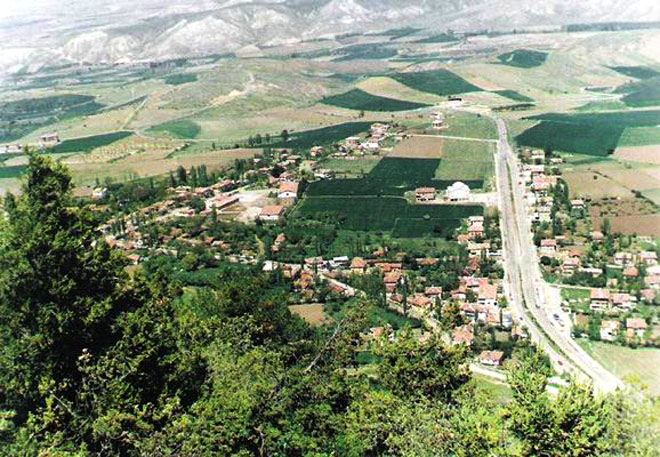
[(383, 214), (643, 93), (183, 128), (496, 391), (357, 99), (88, 143), (324, 135), (313, 313), (440, 38), (466, 161), (523, 58), (469, 125), (12, 171), (439, 82), (640, 365)]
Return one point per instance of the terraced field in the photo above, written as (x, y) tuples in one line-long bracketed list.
[(357, 99)]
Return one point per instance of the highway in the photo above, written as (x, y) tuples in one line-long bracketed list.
[(525, 284)]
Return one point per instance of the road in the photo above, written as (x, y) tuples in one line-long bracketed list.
[(526, 287)]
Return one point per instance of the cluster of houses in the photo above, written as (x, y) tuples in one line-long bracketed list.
[(47, 140), (372, 144)]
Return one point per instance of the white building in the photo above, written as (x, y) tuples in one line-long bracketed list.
[(457, 192)]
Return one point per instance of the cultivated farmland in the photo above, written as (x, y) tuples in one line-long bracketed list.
[(357, 99), (88, 143), (637, 72), (323, 136), (385, 213), (180, 78), (183, 128), (439, 82), (523, 58), (513, 95), (418, 147)]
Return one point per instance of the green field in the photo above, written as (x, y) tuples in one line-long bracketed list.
[(637, 72), (642, 93), (585, 133), (368, 51), (470, 125), (391, 176), (641, 365), (523, 58), (382, 214), (440, 38), (13, 171), (323, 136), (357, 99), (180, 78), (439, 82), (513, 95), (599, 140), (356, 168), (640, 136), (466, 161), (183, 128), (87, 143)]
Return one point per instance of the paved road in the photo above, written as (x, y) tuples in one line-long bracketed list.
[(526, 286)]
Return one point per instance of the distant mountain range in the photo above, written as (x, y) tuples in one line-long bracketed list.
[(131, 30)]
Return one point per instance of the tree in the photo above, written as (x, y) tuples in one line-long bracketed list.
[(284, 135), (60, 292), (182, 176)]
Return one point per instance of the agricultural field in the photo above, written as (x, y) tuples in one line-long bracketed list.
[(180, 78), (312, 313), (12, 171), (183, 129), (391, 176), (418, 147), (465, 160), (439, 82), (641, 365), (513, 95), (469, 125), (384, 214), (640, 136), (523, 58), (323, 136), (357, 99), (585, 133), (88, 143), (642, 94), (638, 72), (440, 38), (356, 167)]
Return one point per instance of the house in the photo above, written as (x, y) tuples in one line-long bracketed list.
[(570, 265), (271, 213), (635, 327), (487, 295), (577, 206), (49, 139), (391, 280), (630, 272), (425, 194), (624, 259), (491, 358), (288, 190), (433, 292), (599, 299), (597, 236), (358, 265), (277, 244), (623, 301), (652, 282), (478, 249), (457, 192), (463, 335), (422, 301), (548, 248), (352, 142), (11, 148), (316, 151), (438, 120), (476, 231), (648, 258), (100, 193), (609, 330)]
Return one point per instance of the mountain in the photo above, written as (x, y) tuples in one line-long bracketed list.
[(52, 31)]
